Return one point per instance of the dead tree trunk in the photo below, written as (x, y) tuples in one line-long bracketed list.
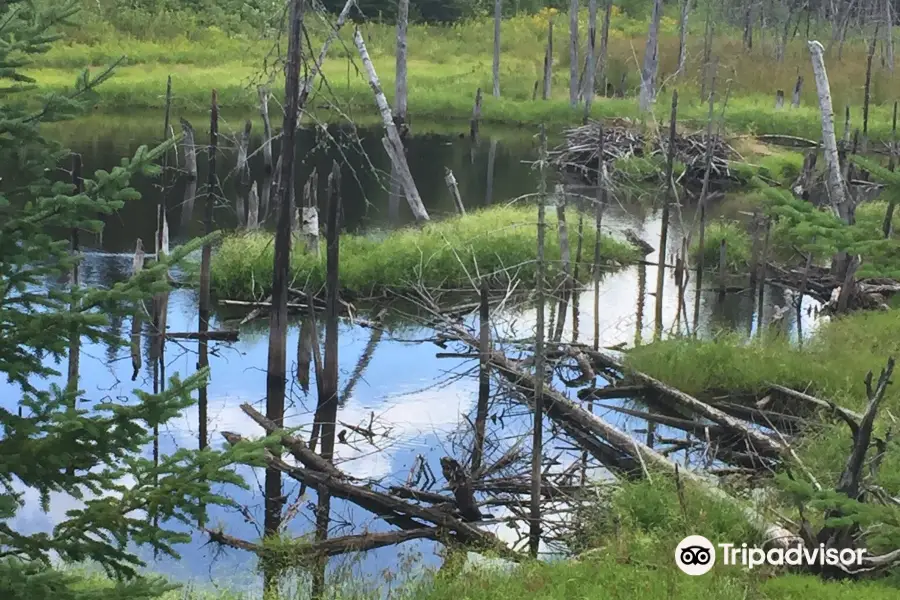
[(309, 219), (137, 267), (664, 231), (588, 90), (267, 134), (889, 33), (400, 101), (484, 378), (682, 36), (604, 45), (326, 411), (252, 208), (837, 191), (498, 15), (565, 260), (709, 30), (450, 180), (548, 61), (601, 204), (476, 117), (276, 373), (74, 335), (205, 262), (190, 150), (798, 87), (537, 444), (392, 143), (748, 27), (573, 52), (306, 86), (651, 60), (867, 91)]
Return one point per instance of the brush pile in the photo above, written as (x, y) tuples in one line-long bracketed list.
[(578, 154)]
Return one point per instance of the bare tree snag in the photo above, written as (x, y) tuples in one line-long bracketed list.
[(779, 99), (309, 218), (450, 180), (548, 61), (682, 36), (205, 263), (664, 229), (573, 52), (498, 15), (889, 33), (400, 100), (306, 86), (840, 201), (867, 96), (589, 80), (651, 60), (604, 45), (267, 133), (137, 266), (276, 372), (252, 208), (476, 117), (190, 150), (537, 443), (392, 143)]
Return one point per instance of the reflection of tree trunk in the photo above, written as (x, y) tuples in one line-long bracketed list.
[(363, 362), (326, 411), (489, 187), (565, 257), (304, 353), (139, 310), (187, 206), (394, 198), (639, 315)]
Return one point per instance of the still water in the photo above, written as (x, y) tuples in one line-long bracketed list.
[(415, 402)]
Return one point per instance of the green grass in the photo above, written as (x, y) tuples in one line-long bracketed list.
[(448, 63), (442, 254), (737, 246)]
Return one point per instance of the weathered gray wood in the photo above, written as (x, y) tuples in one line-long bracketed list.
[(664, 228), (651, 60), (205, 265), (309, 217), (252, 208), (682, 35), (476, 116), (450, 180), (573, 52), (837, 190), (889, 33), (267, 131), (591, 68), (779, 99), (548, 61), (401, 90), (534, 530), (498, 16), (604, 45), (307, 84), (243, 146), (190, 151), (798, 87), (392, 143), (867, 96)]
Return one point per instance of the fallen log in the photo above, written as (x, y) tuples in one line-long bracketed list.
[(611, 391), (329, 547), (816, 402), (214, 336), (689, 406), (395, 510)]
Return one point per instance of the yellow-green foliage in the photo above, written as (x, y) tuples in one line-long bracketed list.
[(441, 254), (448, 63), (737, 246)]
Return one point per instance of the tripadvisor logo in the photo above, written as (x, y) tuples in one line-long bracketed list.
[(696, 555)]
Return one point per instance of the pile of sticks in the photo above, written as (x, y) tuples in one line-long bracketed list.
[(579, 153)]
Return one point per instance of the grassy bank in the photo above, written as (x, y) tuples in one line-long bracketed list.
[(442, 254), (448, 63)]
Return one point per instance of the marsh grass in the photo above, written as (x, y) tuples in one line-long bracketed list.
[(497, 242), (737, 246), (448, 63)]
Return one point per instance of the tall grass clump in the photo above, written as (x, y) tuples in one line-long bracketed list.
[(497, 242), (737, 246)]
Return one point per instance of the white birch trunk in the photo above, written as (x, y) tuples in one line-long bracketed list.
[(836, 189), (498, 13), (401, 90), (573, 52), (651, 60), (267, 129), (391, 141), (190, 151)]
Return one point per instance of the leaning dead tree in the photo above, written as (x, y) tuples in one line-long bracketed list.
[(392, 143)]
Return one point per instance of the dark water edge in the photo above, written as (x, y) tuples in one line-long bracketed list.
[(417, 401)]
